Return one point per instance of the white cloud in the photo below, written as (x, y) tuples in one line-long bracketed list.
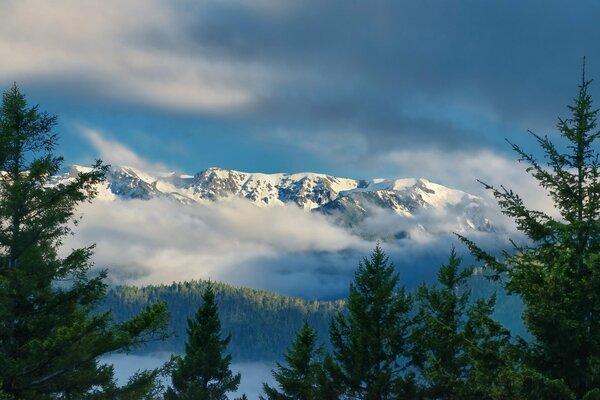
[(107, 48), (116, 153), (161, 241), (462, 169)]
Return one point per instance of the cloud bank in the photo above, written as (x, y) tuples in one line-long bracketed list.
[(356, 79), (161, 241), (285, 248)]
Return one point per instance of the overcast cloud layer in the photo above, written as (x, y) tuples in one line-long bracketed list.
[(309, 85)]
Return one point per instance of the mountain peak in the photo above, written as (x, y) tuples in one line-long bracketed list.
[(309, 191)]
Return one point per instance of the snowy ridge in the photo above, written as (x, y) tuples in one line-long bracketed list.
[(350, 200)]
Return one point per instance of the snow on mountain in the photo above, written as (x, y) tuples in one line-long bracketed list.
[(350, 201)]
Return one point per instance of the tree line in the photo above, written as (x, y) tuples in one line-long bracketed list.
[(262, 324), (436, 343)]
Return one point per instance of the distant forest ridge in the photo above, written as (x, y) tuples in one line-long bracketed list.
[(262, 324)]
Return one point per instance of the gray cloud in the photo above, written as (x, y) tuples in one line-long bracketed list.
[(400, 71), (396, 73)]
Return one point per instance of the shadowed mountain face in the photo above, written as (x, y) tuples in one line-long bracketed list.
[(351, 203)]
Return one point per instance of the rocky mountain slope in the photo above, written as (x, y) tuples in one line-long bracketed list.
[(350, 202)]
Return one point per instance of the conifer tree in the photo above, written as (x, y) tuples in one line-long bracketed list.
[(370, 340), (204, 372), (50, 334), (557, 274), (299, 380), (459, 351)]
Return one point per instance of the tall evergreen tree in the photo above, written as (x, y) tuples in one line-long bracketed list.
[(438, 335), (204, 372), (459, 351), (50, 334), (299, 380), (369, 340), (557, 274)]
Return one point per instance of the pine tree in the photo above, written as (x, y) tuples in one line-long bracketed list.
[(369, 341), (204, 372), (459, 351), (50, 334), (299, 380), (557, 274)]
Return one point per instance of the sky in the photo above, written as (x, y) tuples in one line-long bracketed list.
[(350, 88)]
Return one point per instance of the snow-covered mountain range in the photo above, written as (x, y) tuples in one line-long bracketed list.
[(349, 201)]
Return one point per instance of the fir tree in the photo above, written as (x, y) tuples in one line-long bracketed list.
[(299, 380), (204, 372), (459, 351), (50, 334), (369, 340), (557, 273)]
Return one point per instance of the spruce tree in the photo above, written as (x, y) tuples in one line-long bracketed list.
[(557, 273), (369, 340), (459, 351), (204, 371), (299, 380), (51, 335), (438, 335)]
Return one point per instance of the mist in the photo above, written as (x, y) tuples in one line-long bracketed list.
[(253, 373)]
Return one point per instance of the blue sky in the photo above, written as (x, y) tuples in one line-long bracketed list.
[(360, 89)]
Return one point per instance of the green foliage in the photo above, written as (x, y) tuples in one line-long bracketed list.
[(557, 274), (438, 336), (50, 336), (370, 340), (299, 380), (204, 373), (459, 351), (262, 324)]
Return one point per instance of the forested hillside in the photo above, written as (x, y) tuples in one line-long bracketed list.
[(262, 324)]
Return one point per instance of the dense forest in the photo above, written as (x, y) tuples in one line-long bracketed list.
[(262, 324)]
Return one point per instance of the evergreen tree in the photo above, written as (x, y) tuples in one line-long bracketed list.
[(557, 273), (204, 373), (438, 335), (459, 351), (299, 380), (50, 334), (369, 340)]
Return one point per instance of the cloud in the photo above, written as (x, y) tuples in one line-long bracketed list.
[(116, 153), (160, 241), (397, 73), (283, 248), (463, 169), (120, 51)]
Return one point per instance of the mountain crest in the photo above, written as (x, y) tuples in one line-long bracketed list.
[(350, 200)]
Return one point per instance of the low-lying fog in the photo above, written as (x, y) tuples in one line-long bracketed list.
[(253, 373)]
